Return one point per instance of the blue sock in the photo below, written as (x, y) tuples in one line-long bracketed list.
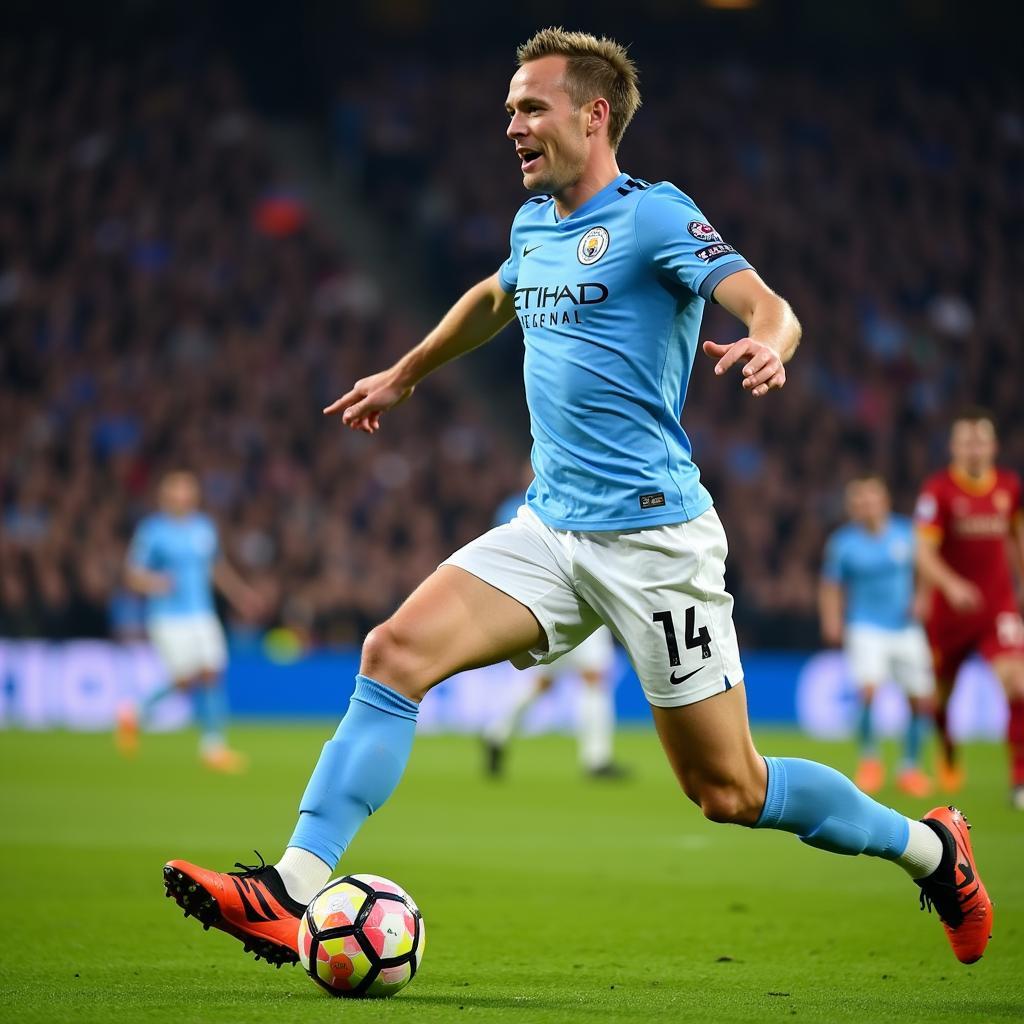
[(146, 707), (211, 712), (357, 771), (917, 730), (826, 810), (865, 732)]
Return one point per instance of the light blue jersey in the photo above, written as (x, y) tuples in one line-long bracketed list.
[(184, 549), (876, 572), (610, 300)]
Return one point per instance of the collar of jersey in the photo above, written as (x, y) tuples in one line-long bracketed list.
[(607, 195), (978, 487)]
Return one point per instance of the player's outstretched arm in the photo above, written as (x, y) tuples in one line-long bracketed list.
[(772, 338), (483, 311), (830, 612), (245, 600), (961, 593)]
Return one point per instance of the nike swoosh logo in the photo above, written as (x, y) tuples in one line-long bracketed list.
[(526, 252), (682, 679)]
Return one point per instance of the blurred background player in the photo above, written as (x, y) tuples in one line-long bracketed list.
[(866, 604), (174, 561), (970, 526), (591, 661)]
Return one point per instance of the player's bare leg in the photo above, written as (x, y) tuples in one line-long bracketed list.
[(713, 755), (452, 621), (870, 770), (1009, 670)]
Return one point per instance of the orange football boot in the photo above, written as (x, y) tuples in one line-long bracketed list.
[(914, 782), (951, 776), (251, 904), (870, 775), (955, 888), (126, 730), (224, 760)]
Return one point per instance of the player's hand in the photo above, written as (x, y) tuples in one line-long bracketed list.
[(762, 370), (361, 407), (962, 595), (160, 583), (832, 634), (252, 605)]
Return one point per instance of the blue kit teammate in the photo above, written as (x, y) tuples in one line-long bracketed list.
[(174, 560), (866, 602), (608, 277)]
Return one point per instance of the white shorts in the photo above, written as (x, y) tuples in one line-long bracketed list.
[(661, 591), (595, 654), (877, 655), (189, 645)]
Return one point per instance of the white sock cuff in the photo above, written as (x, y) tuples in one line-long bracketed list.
[(304, 874), (923, 853)]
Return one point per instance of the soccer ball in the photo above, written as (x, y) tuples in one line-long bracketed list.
[(362, 936)]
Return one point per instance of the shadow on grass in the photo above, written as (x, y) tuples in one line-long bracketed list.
[(483, 1001)]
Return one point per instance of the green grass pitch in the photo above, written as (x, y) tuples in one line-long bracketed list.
[(546, 898)]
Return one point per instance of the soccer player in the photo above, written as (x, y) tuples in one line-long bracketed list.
[(866, 603), (607, 276), (173, 560), (595, 727), (970, 525)]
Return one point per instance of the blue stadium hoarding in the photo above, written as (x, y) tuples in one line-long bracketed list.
[(79, 685)]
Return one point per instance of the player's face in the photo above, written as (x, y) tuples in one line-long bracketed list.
[(179, 494), (549, 134), (867, 502), (973, 446)]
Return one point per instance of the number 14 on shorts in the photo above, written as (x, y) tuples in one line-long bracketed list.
[(692, 638)]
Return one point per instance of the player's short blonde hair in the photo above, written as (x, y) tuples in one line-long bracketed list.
[(595, 67)]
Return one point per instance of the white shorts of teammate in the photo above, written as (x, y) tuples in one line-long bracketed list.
[(189, 645), (660, 590), (876, 655)]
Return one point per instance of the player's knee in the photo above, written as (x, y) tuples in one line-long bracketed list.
[(389, 656), (729, 802)]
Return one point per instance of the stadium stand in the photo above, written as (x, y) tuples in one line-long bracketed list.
[(167, 298)]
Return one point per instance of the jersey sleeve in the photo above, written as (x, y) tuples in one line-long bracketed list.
[(677, 239), (931, 511), (832, 564)]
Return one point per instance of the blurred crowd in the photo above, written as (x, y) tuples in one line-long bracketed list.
[(167, 300), (888, 209)]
